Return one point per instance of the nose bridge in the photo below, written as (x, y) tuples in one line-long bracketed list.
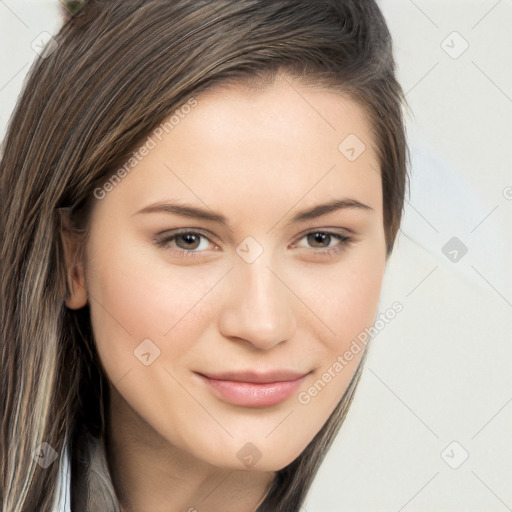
[(263, 289), (258, 308)]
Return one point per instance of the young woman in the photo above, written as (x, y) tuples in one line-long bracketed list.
[(199, 201)]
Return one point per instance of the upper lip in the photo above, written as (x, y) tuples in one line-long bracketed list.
[(257, 377)]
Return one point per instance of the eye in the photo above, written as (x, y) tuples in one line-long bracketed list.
[(321, 240), (193, 243), (188, 243)]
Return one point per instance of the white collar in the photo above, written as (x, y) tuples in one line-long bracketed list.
[(62, 496)]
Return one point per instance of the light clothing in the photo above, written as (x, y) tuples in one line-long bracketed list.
[(62, 502), (92, 487)]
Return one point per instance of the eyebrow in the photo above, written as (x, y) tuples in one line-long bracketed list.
[(205, 214)]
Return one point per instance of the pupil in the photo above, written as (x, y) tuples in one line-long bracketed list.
[(320, 237), (189, 239)]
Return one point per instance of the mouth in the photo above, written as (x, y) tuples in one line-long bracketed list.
[(250, 389)]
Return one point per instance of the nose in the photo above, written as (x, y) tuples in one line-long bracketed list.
[(256, 306)]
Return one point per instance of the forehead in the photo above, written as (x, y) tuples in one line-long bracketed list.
[(284, 141), (303, 115)]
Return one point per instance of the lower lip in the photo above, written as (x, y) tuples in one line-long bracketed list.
[(249, 394)]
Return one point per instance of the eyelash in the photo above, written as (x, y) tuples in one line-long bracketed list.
[(329, 251)]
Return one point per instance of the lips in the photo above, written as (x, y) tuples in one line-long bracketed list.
[(258, 378), (252, 389)]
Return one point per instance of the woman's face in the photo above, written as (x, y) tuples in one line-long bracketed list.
[(229, 340)]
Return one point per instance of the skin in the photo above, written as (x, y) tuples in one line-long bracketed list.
[(257, 157)]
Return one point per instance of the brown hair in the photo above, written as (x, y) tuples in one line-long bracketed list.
[(119, 69)]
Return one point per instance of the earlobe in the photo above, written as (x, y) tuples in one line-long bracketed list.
[(78, 293)]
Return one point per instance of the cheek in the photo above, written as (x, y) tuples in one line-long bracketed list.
[(134, 301), (345, 296), (346, 302)]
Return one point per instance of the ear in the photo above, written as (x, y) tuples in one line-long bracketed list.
[(75, 272)]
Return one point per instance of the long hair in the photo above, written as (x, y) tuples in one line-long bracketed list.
[(114, 72)]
